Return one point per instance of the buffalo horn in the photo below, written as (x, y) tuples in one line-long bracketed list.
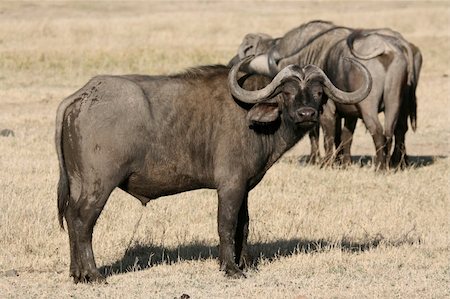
[(256, 96), (335, 93)]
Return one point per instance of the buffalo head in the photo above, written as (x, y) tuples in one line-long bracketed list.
[(296, 92)]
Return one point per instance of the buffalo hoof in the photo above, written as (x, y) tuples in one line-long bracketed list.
[(399, 162), (380, 166), (245, 261), (345, 160), (313, 159), (88, 277), (235, 274), (232, 271), (329, 161)]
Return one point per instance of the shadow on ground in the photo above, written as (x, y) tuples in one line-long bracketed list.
[(141, 257), (365, 161)]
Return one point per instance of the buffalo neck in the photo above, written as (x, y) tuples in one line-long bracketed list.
[(281, 140)]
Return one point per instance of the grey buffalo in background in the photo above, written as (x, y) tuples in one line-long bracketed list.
[(377, 44), (393, 63), (154, 136)]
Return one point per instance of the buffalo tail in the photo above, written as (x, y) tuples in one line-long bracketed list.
[(63, 184)]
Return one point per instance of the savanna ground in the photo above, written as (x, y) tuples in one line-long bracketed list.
[(318, 233)]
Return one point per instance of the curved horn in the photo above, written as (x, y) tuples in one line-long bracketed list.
[(338, 95), (256, 96)]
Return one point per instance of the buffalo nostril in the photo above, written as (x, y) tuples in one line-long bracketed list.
[(308, 113)]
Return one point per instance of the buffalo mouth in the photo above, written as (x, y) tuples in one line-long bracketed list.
[(306, 123)]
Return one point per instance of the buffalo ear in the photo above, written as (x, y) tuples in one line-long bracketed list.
[(263, 113)]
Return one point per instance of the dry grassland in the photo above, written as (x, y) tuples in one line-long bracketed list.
[(319, 233)]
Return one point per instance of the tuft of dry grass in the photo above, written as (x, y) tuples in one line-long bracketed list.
[(316, 233)]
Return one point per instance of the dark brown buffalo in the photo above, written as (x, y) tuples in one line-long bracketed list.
[(154, 136), (392, 62)]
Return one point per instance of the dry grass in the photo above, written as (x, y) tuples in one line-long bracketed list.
[(320, 233)]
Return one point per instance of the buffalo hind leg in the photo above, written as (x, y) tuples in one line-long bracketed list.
[(75, 262), (399, 157), (81, 217), (376, 130), (395, 110), (243, 257), (231, 197)]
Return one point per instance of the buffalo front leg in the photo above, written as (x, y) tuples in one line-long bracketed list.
[(243, 257), (329, 124), (230, 202), (314, 138)]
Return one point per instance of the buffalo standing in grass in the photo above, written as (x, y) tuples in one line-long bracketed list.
[(377, 43), (393, 63), (154, 136)]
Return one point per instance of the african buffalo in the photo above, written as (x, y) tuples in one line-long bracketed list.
[(377, 43), (390, 61), (154, 136)]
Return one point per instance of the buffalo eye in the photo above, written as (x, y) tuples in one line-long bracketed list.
[(288, 94), (319, 94)]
